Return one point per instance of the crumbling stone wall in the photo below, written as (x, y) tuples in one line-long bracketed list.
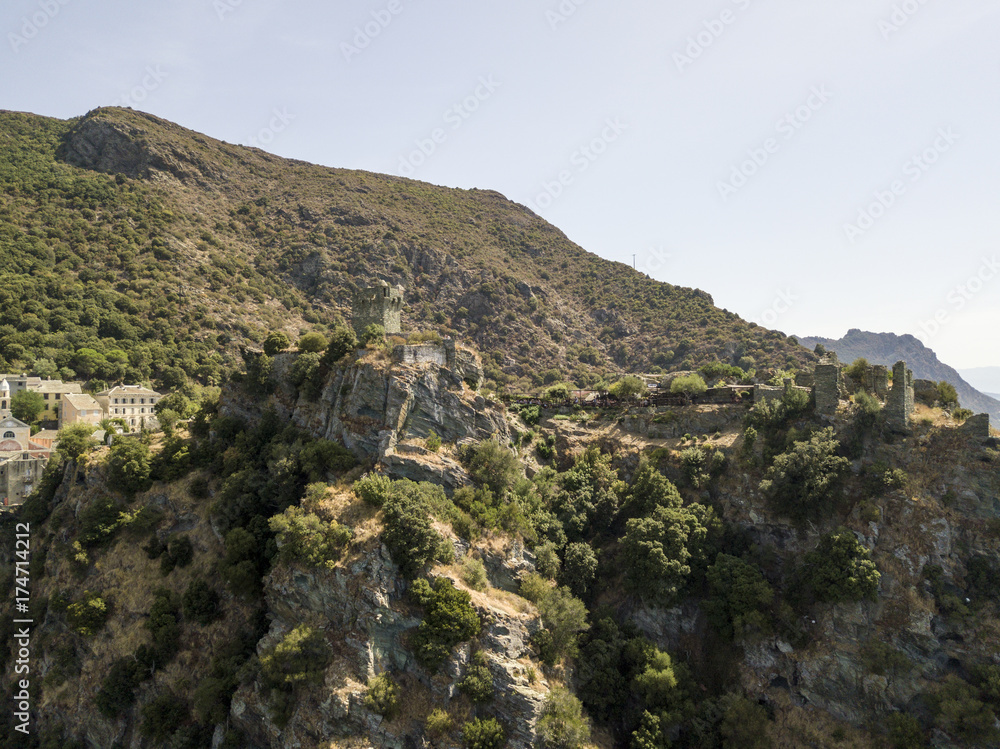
[(977, 427), (899, 406), (378, 305)]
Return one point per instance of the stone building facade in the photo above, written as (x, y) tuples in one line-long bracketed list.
[(378, 305), (22, 461), (899, 405), (132, 403)]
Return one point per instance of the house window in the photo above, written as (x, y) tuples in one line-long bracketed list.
[(142, 410), (133, 401), (9, 435), (46, 396)]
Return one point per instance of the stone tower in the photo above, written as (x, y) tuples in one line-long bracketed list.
[(827, 385), (899, 406), (380, 305)]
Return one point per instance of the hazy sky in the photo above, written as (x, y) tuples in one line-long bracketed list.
[(814, 166)]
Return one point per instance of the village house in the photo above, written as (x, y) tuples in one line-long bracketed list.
[(132, 403), (80, 409), (52, 391)]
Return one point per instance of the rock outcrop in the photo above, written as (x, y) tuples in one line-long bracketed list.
[(375, 406)]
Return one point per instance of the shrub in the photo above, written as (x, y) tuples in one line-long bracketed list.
[(905, 731), (534, 587), (691, 384), (87, 615), (562, 724), (373, 336), (433, 442), (382, 696), (961, 414), (883, 659), (840, 569), (438, 723), (99, 522), (959, 711), (477, 684), (483, 734), (693, 466), (448, 620), (305, 538), (474, 573), (117, 692), (162, 716), (801, 481), (556, 393), (275, 343), (201, 603), (856, 370), (492, 465), (946, 394), (530, 415), (164, 625), (312, 343), (300, 658), (179, 553), (547, 560), (373, 488), (408, 534)]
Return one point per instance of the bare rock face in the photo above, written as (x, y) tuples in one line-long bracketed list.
[(362, 608), (104, 146), (374, 407)]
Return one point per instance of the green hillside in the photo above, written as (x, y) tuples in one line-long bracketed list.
[(134, 247)]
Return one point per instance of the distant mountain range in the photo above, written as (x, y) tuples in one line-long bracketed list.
[(888, 348), (986, 379)]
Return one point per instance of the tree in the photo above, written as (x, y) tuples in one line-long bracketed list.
[(579, 567), (129, 465), (840, 569), (493, 465), (801, 481), (342, 342), (628, 386), (408, 533), (312, 343), (738, 597), (477, 684), (691, 384), (651, 489), (448, 620), (25, 405), (75, 440), (564, 618), (562, 724), (946, 394), (661, 548), (87, 615), (275, 343)]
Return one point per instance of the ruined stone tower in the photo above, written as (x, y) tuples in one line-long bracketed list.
[(899, 406), (827, 387), (380, 305)]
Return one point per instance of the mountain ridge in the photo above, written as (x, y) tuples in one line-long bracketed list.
[(247, 242)]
